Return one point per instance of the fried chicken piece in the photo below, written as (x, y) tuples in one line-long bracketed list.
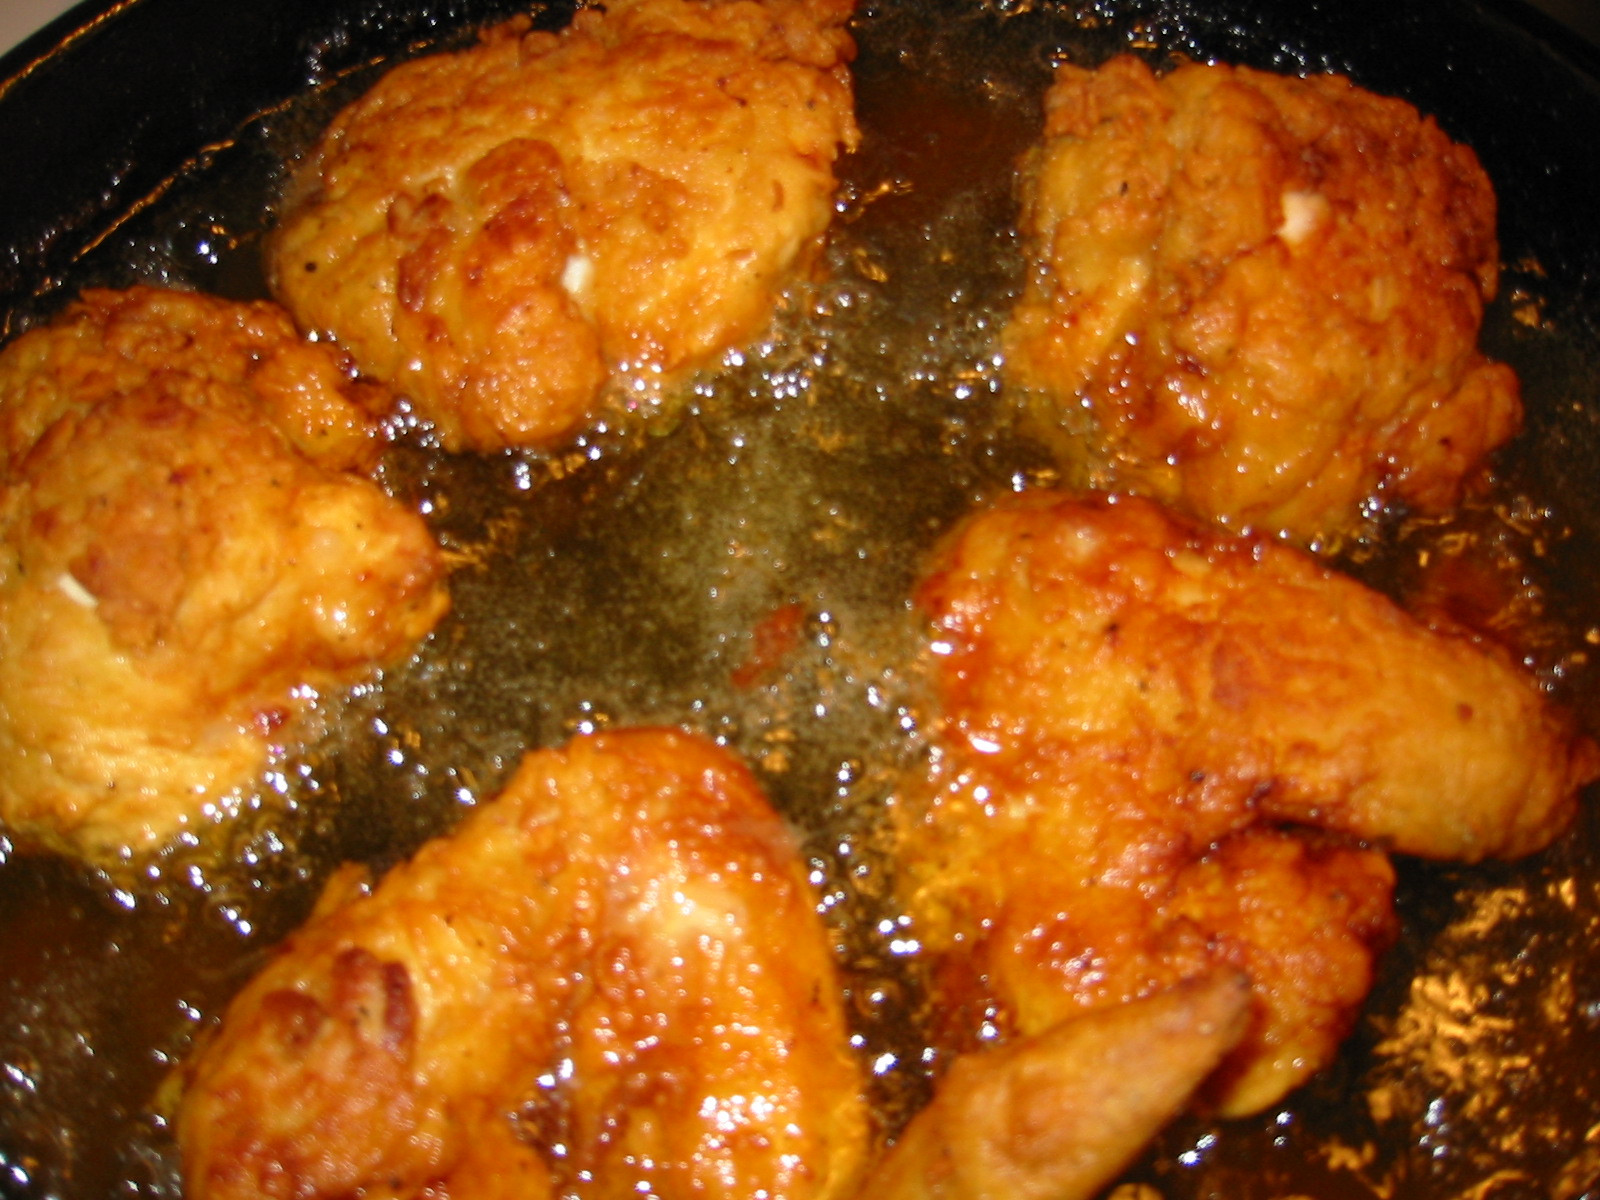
[(1128, 702), (611, 979), (186, 547), (494, 232), (1109, 893), (1057, 1115), (1243, 673), (1267, 289)]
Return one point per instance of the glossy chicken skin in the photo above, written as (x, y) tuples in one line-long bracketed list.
[(1131, 704), (1056, 1116), (609, 981), (495, 232), (189, 552), (1249, 675), (1267, 289)]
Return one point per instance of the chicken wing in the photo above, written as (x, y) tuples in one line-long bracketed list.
[(1267, 289), (1057, 1115), (187, 551), (1243, 675), (611, 979), (1128, 702), (494, 232)]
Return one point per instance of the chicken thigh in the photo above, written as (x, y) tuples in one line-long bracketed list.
[(1267, 291), (496, 232), (189, 554)]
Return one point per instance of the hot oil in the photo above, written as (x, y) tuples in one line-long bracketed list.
[(742, 566), (739, 563)]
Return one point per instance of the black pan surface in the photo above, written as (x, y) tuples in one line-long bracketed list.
[(146, 140)]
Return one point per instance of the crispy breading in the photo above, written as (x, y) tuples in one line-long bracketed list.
[(495, 232), (612, 979), (1241, 672), (186, 544), (1130, 705), (1267, 290)]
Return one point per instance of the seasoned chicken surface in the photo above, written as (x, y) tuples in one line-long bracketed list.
[(1057, 1115), (188, 551), (495, 232), (1267, 290), (610, 981), (1131, 704)]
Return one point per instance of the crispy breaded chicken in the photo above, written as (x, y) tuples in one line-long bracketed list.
[(1055, 1116), (1243, 673), (186, 546), (1130, 705), (497, 231), (1268, 291), (609, 981), (1039, 899)]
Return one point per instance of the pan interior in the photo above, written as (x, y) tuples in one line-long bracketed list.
[(742, 568)]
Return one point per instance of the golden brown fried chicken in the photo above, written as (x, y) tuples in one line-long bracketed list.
[(611, 981), (1057, 1115), (1039, 901), (186, 547), (1128, 699), (1267, 290), (494, 232), (1242, 674)]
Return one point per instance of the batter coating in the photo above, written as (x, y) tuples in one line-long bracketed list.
[(187, 552), (1130, 704), (496, 232), (1266, 289), (610, 980)]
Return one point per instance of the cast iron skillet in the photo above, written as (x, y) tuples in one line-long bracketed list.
[(1477, 1069)]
